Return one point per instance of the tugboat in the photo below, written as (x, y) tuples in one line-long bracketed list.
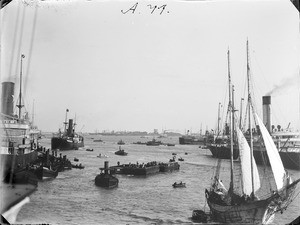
[(121, 142), (170, 144), (154, 143), (121, 152), (68, 140), (105, 179)]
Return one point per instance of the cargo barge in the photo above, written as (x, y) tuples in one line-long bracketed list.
[(144, 168)]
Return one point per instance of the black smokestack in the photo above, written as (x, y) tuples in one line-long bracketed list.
[(70, 128), (7, 99), (267, 112), (106, 167)]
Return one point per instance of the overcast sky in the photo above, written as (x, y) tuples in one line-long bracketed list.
[(137, 70)]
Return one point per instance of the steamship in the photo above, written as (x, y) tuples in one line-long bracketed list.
[(287, 142), (19, 138), (69, 139), (19, 143), (189, 139)]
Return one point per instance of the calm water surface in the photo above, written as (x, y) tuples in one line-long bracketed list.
[(73, 198)]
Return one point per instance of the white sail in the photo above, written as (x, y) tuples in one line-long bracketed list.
[(274, 157), (245, 157)]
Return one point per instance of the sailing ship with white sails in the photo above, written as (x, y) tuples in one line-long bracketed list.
[(243, 202)]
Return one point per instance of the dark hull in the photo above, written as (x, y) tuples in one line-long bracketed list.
[(43, 173), (106, 181), (179, 185), (223, 151), (63, 144), (290, 159), (190, 141), (6, 160), (166, 167), (121, 152), (250, 212), (153, 143), (22, 176), (140, 171)]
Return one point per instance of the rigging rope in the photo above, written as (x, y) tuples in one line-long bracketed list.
[(14, 40), (31, 45), (19, 45)]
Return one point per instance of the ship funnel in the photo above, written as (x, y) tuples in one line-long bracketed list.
[(106, 167), (267, 112), (7, 99), (70, 128)]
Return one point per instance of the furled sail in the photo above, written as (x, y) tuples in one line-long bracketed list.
[(274, 157), (245, 157)]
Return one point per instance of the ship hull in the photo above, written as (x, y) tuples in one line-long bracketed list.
[(21, 160), (141, 171), (168, 167), (191, 141), (290, 160), (13, 197), (255, 212), (223, 151), (106, 181), (289, 157), (64, 144), (251, 212), (45, 173)]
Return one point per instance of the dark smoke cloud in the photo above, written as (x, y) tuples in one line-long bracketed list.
[(286, 84)]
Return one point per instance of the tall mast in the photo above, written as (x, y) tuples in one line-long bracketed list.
[(20, 94), (231, 125), (250, 125), (241, 114), (32, 120), (218, 130), (233, 110)]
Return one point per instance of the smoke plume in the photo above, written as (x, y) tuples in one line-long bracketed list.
[(286, 84)]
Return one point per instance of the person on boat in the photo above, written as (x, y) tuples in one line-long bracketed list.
[(181, 182), (175, 183)]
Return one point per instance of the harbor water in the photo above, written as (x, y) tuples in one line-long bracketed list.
[(73, 197)]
